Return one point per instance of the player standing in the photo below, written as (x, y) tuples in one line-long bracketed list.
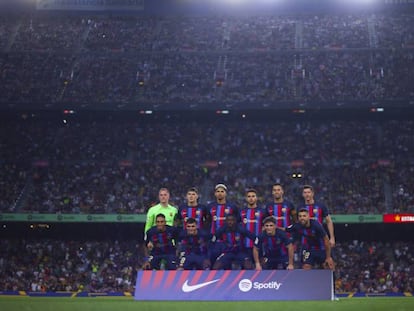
[(317, 211), (282, 209), (192, 209)]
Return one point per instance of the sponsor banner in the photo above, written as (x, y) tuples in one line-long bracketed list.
[(128, 295), (65, 294), (356, 218), (29, 217), (363, 294), (46, 218), (398, 218), (92, 5), (217, 285), (102, 294)]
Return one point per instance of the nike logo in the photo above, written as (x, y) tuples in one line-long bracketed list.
[(189, 288)]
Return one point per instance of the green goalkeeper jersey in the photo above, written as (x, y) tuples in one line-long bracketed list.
[(170, 213)]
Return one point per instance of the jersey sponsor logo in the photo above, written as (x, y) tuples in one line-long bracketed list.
[(245, 220), (190, 288)]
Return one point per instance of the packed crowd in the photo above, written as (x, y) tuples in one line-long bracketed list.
[(90, 80), (374, 267), (120, 60), (105, 266), (42, 31), (57, 265), (117, 167)]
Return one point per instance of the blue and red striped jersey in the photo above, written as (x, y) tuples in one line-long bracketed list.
[(199, 213), (283, 212), (312, 237), (218, 212), (164, 241), (252, 220), (317, 211)]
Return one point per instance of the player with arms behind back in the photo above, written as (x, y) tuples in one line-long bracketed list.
[(251, 218), (163, 207), (192, 209), (216, 217), (282, 209)]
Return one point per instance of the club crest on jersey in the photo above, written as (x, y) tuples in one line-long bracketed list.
[(198, 213), (245, 220), (284, 210), (256, 214), (315, 210), (215, 218), (227, 210)]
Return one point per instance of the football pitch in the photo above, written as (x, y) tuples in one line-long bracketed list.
[(128, 303)]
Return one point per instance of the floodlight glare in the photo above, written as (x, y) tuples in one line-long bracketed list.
[(234, 2), (240, 2), (356, 3)]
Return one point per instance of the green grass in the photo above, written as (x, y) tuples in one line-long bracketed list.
[(127, 303)]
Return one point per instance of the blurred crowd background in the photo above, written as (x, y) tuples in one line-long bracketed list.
[(100, 60), (90, 167), (111, 266)]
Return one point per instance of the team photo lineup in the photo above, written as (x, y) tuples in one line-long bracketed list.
[(208, 154), (223, 236)]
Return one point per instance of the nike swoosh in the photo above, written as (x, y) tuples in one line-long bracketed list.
[(189, 288)]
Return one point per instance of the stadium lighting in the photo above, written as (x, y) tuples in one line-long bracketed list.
[(269, 1), (298, 110), (222, 112), (379, 109), (249, 2), (236, 2), (296, 175), (356, 3)]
